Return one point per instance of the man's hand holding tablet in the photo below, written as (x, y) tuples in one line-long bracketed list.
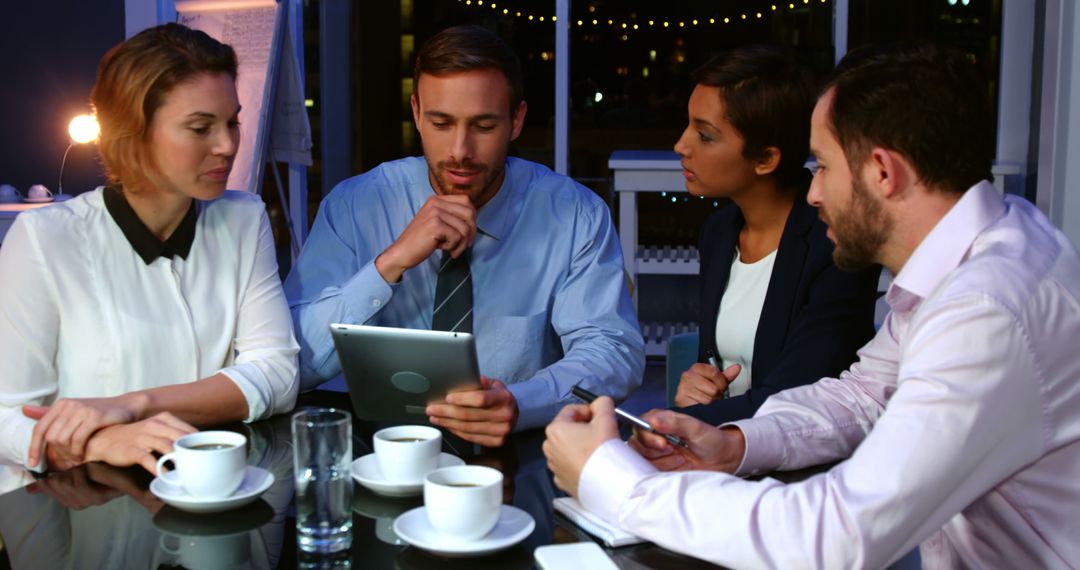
[(486, 416)]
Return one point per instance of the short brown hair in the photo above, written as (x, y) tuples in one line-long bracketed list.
[(132, 81), (468, 48), (926, 102), (768, 94)]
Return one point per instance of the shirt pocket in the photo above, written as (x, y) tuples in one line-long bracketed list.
[(519, 345)]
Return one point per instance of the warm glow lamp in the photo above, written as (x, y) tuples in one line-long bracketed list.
[(82, 129)]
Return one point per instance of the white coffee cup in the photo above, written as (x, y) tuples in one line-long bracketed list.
[(463, 502), (406, 454), (209, 464), (209, 552), (38, 192), (8, 193)]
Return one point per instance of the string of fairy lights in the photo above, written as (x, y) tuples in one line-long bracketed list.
[(633, 23)]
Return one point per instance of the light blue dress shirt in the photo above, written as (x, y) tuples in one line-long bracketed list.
[(551, 307)]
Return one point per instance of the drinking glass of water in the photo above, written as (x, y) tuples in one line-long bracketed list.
[(322, 457)]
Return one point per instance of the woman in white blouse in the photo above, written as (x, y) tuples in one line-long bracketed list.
[(138, 310)]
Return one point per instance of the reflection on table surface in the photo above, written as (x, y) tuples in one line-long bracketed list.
[(97, 516)]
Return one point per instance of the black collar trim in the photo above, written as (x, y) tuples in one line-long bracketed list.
[(142, 240)]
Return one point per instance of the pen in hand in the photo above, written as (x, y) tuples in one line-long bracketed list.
[(588, 397), (715, 364)]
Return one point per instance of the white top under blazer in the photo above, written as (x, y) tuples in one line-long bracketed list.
[(739, 314)]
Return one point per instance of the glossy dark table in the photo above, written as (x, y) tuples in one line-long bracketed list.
[(101, 517)]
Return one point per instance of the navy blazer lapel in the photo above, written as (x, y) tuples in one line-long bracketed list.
[(780, 298), (722, 233)]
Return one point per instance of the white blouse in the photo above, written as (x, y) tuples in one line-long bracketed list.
[(740, 311), (82, 315)]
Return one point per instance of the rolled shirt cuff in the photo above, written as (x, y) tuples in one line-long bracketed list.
[(257, 401), (15, 434)]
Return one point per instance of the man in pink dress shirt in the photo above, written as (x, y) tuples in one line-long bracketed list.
[(957, 431)]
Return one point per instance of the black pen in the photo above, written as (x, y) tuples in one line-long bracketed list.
[(712, 362), (588, 397)]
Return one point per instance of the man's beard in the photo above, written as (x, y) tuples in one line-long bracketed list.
[(859, 230)]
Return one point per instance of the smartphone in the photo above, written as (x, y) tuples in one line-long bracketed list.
[(576, 555)]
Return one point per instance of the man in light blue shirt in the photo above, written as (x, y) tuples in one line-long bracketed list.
[(550, 304)]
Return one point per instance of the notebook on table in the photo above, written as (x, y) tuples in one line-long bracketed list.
[(608, 533)]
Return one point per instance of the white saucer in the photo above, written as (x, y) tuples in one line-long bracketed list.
[(366, 472), (514, 526), (256, 481), (44, 200)]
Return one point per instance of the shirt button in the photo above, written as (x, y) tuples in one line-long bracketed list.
[(376, 302)]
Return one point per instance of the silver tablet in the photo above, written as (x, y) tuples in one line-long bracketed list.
[(393, 374)]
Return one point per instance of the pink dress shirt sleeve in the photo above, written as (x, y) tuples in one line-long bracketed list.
[(960, 420)]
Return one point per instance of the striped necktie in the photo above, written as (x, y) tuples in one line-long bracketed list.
[(453, 295)]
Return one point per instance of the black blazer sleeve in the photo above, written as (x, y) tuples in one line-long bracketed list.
[(814, 320)]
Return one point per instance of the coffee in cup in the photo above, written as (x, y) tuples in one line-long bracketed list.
[(211, 446), (463, 502), (208, 464), (406, 454)]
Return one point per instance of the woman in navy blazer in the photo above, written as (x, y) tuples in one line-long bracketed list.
[(747, 140)]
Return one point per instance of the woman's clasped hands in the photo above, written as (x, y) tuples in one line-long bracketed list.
[(73, 431)]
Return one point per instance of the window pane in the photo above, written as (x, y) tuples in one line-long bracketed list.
[(973, 26), (532, 40), (629, 87)]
